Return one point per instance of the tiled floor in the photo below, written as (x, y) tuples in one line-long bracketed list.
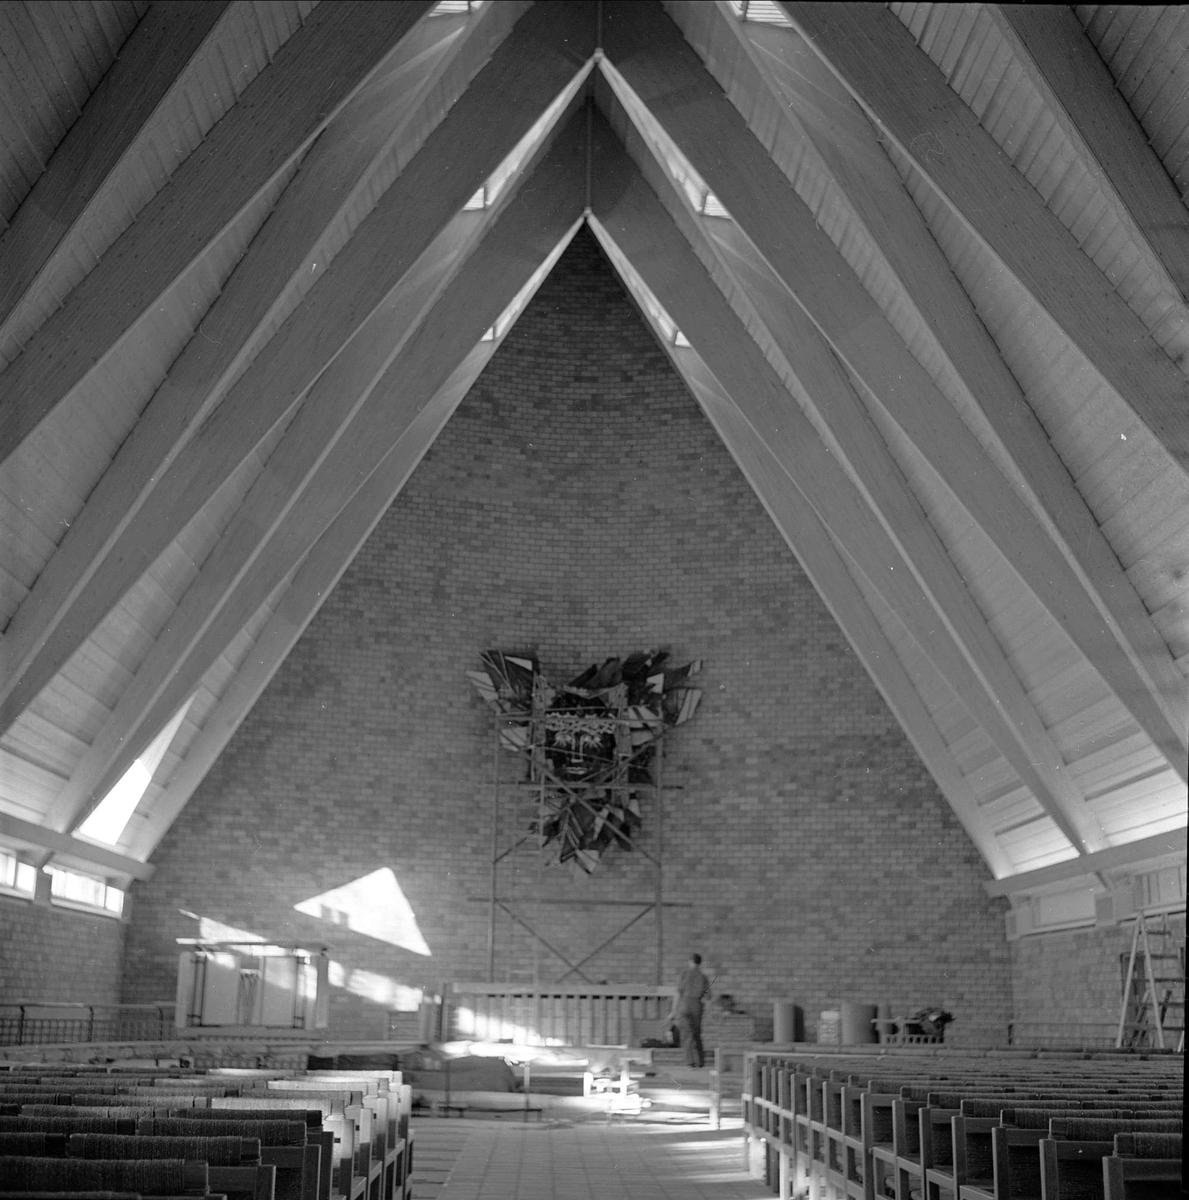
[(593, 1160), (667, 1151)]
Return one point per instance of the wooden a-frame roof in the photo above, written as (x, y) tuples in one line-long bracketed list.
[(924, 266)]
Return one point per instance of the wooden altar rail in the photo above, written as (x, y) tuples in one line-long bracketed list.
[(604, 1015)]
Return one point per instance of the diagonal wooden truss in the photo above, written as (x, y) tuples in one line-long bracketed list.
[(947, 350)]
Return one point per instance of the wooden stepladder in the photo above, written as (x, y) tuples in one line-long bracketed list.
[(1153, 1012)]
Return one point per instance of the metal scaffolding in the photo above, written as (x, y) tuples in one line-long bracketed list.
[(603, 790)]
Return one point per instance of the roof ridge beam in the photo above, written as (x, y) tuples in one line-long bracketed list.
[(879, 63), (313, 76), (310, 478), (455, 160)]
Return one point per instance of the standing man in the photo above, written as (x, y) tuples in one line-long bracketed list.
[(686, 1014)]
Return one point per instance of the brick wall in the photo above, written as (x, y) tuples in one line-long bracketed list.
[(57, 954), (1076, 975), (579, 504)]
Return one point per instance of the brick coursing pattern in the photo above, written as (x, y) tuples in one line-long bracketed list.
[(57, 954), (580, 504), (1075, 975)]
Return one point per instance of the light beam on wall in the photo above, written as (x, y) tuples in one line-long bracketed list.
[(373, 905), (379, 989)]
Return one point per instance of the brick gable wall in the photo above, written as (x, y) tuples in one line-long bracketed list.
[(580, 504)]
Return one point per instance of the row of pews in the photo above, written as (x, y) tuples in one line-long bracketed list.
[(240, 1134), (906, 1127)]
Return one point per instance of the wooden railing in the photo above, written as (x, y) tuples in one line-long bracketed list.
[(606, 1015)]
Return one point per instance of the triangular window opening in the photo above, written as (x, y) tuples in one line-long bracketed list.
[(451, 8), (110, 817), (508, 317), (664, 325), (762, 12)]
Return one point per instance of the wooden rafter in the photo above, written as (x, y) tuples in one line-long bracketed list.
[(817, 116), (820, 558), (312, 583), (315, 73), (951, 635), (317, 475), (1060, 58), (278, 265), (107, 862), (780, 253), (482, 128), (157, 51), (1110, 859), (910, 103)]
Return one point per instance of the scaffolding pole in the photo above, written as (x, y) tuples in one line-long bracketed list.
[(541, 782)]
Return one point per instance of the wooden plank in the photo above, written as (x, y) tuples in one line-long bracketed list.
[(381, 409), (910, 102), (161, 46), (1062, 60), (115, 542), (108, 861), (1104, 860), (956, 640), (314, 74)]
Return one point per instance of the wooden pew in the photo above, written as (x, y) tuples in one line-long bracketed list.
[(151, 1177), (283, 1145), (1150, 1166), (233, 1163)]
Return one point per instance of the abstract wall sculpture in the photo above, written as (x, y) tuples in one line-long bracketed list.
[(591, 746)]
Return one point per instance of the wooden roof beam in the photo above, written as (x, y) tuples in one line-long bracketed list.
[(312, 476), (973, 667), (312, 583), (909, 101), (684, 107), (1060, 59), (819, 557), (74, 851), (164, 42), (92, 571), (277, 268), (314, 74), (1113, 858)]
